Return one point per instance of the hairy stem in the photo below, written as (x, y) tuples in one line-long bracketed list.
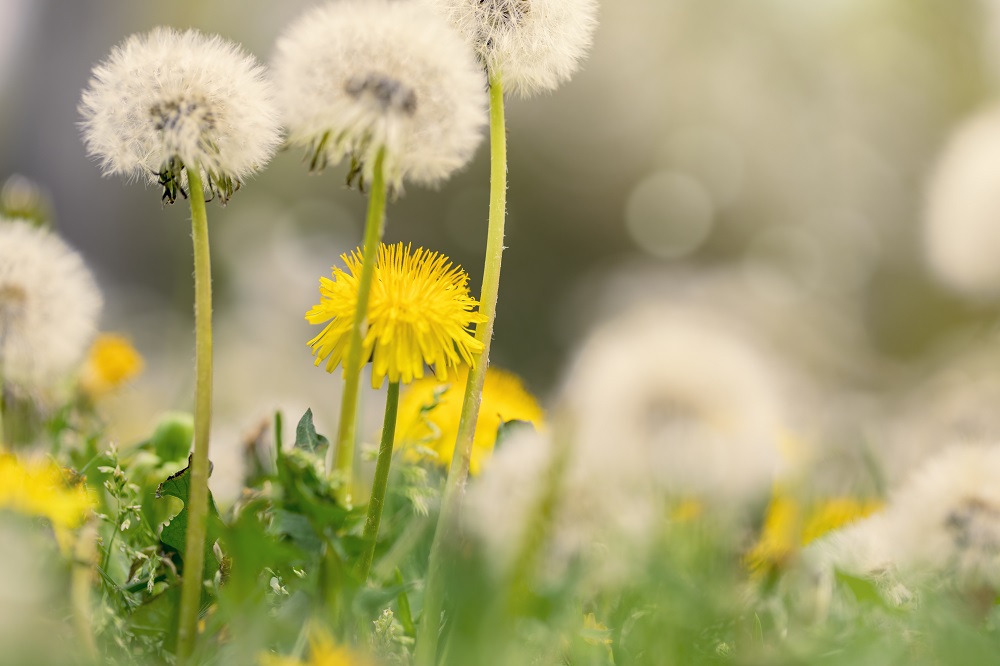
[(377, 501), (197, 503), (458, 473), (346, 432)]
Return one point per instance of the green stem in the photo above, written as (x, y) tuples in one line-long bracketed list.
[(346, 432), (197, 503), (377, 501), (458, 473)]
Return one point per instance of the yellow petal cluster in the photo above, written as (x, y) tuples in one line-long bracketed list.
[(112, 361), (788, 527), (429, 411), (419, 312), (38, 488), (323, 651)]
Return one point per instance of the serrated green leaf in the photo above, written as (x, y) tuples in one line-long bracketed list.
[(306, 437), (174, 533)]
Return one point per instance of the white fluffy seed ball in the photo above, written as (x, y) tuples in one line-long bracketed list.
[(49, 304), (168, 95), (359, 76), (534, 45), (961, 231)]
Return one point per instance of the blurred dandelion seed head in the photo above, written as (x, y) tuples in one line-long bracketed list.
[(946, 518), (168, 96), (419, 312), (49, 304), (356, 77), (960, 231), (673, 393), (535, 45)]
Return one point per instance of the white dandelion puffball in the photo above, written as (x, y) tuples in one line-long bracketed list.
[(671, 392), (594, 521), (534, 45), (166, 100), (946, 518), (356, 77), (961, 230), (49, 304)]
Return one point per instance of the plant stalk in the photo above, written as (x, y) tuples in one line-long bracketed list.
[(347, 428), (377, 501), (197, 503), (458, 473)]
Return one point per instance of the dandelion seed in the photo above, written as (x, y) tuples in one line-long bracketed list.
[(961, 233), (360, 76), (419, 313), (430, 408), (49, 305), (167, 100), (535, 45), (112, 362)]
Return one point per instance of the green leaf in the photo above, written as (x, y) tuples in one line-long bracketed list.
[(174, 533), (507, 428), (864, 590), (306, 437)]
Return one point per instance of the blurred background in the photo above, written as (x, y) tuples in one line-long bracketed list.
[(767, 159)]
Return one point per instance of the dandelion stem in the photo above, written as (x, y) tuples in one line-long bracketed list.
[(458, 473), (377, 501), (197, 503), (352, 367)]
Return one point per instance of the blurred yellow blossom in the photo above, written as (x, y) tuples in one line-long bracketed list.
[(38, 488), (429, 413), (788, 527), (323, 651), (112, 361)]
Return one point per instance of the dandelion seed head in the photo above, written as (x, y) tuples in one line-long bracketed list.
[(946, 518), (673, 393), (167, 99), (359, 76), (535, 45), (419, 312), (961, 236), (49, 304)]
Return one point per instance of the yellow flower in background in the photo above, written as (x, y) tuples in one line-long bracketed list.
[(112, 361), (38, 488), (835, 513), (779, 538), (419, 312), (429, 411), (788, 527), (322, 652)]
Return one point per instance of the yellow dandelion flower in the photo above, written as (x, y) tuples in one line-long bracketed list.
[(429, 411), (419, 312), (38, 488), (779, 537), (112, 361), (835, 513), (788, 527), (323, 651)]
